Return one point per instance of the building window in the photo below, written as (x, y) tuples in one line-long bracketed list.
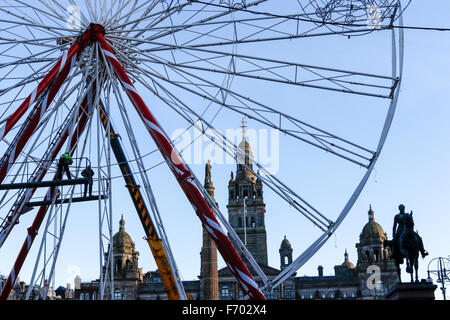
[(246, 191), (81, 296), (253, 222), (94, 296), (288, 293), (225, 293), (272, 295), (240, 222), (118, 295), (86, 296), (118, 265)]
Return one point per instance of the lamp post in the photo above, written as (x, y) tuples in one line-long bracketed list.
[(442, 271)]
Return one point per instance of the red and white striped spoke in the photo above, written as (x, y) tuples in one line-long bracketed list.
[(64, 66), (63, 62), (13, 216), (32, 232), (186, 179)]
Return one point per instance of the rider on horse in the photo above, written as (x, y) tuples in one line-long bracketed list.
[(399, 231)]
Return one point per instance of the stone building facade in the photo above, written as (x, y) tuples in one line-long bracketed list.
[(246, 207), (246, 214), (355, 282), (348, 282)]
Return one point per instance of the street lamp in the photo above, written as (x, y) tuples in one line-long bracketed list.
[(442, 271)]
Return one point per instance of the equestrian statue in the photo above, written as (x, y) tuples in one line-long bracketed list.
[(406, 243)]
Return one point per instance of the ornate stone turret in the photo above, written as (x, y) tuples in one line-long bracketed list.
[(209, 280), (246, 187), (374, 255), (346, 269), (127, 273), (371, 247), (285, 253), (125, 255)]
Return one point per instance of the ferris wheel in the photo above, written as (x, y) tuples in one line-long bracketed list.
[(103, 81)]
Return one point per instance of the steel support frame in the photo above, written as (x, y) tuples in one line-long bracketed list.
[(34, 228), (12, 218)]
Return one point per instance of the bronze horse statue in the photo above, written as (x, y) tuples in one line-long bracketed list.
[(407, 246)]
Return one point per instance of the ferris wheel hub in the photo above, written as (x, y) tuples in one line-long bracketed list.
[(93, 30)]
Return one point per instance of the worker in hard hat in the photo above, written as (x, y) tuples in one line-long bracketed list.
[(63, 165)]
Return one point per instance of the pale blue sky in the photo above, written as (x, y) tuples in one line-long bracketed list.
[(413, 168)]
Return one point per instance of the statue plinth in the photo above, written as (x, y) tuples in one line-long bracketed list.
[(412, 291)]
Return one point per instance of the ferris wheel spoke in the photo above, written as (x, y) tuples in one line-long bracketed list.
[(32, 232), (40, 42), (167, 14), (54, 12), (258, 116), (186, 180), (58, 73), (105, 16), (33, 57), (56, 105), (268, 179), (54, 18), (231, 231), (159, 227), (275, 184), (246, 40), (47, 29), (213, 22), (374, 84), (25, 17), (33, 121), (290, 75), (186, 26), (78, 113), (147, 14)]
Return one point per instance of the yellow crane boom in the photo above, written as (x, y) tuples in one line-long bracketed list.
[(154, 241)]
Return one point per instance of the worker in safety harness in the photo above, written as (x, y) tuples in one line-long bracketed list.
[(63, 165), (88, 173)]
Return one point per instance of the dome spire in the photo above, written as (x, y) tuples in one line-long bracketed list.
[(244, 153), (122, 224), (371, 213), (244, 127)]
